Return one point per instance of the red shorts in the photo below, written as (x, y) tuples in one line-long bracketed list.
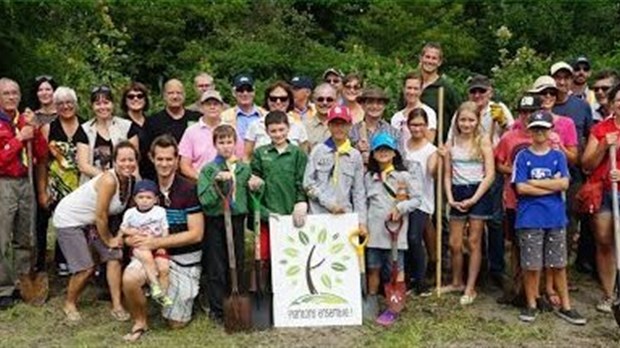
[(265, 249)]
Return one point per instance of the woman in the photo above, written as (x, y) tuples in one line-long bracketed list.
[(596, 160), (278, 96), (43, 90), (81, 221), (61, 174), (134, 104), (352, 89), (104, 132), (412, 90)]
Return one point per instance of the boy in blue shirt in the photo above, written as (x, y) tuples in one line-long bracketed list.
[(540, 176)]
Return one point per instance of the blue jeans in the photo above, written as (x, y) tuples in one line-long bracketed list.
[(495, 228), (415, 257)]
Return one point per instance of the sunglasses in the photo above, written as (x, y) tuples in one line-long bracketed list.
[(325, 100), (43, 78), (133, 96), (549, 92), (601, 88), (277, 98), (332, 81), (101, 89), (242, 89), (581, 68), (477, 91)]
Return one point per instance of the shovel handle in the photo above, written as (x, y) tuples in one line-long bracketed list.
[(358, 241), (614, 202), (394, 231)]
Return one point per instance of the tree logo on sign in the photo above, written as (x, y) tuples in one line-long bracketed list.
[(309, 255)]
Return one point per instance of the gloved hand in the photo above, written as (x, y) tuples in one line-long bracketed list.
[(300, 211), (497, 114)]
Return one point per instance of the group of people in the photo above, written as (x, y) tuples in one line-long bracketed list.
[(150, 197)]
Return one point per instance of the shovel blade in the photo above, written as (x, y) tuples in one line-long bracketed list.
[(237, 313), (370, 307), (615, 308), (395, 293), (34, 288), (261, 311)]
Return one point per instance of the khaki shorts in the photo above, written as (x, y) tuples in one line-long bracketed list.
[(78, 245)]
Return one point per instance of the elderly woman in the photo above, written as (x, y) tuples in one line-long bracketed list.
[(81, 221), (596, 160), (61, 174), (278, 97), (103, 132), (134, 104), (352, 86)]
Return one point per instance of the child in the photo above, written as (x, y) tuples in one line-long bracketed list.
[(421, 158), (541, 175), (334, 176), (233, 176), (469, 173), (390, 196), (146, 218), (281, 167)]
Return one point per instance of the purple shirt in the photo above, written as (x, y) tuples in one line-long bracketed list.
[(197, 145)]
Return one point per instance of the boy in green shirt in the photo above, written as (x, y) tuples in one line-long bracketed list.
[(232, 176), (281, 166)]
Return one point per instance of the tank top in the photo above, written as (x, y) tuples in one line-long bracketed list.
[(466, 170), (79, 207)]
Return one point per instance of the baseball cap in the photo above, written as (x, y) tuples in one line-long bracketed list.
[(332, 71), (339, 112), (243, 80), (145, 186), (560, 66), (478, 81), (529, 102), (211, 94), (383, 139), (542, 83), (581, 60), (301, 82), (541, 118)]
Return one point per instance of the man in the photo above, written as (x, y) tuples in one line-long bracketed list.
[(202, 82), (245, 113), (186, 227), (324, 97), (334, 78), (431, 60), (18, 202), (603, 81), (173, 119), (581, 69), (302, 89)]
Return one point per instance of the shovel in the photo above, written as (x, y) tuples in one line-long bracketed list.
[(34, 286), (370, 307), (395, 291), (236, 306), (616, 213), (261, 299)]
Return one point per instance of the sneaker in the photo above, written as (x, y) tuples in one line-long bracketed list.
[(422, 290), (604, 305), (63, 270), (528, 314), (6, 302), (387, 318), (572, 316)]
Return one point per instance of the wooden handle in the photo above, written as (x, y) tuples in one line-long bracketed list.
[(439, 184)]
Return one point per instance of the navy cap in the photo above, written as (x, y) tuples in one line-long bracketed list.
[(581, 60), (146, 186), (542, 119), (243, 80), (301, 82)]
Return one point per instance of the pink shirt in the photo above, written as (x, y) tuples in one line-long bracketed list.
[(563, 126), (197, 145)]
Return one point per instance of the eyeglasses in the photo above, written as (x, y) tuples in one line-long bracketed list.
[(417, 125), (477, 91), (325, 99), (242, 89), (43, 78), (549, 92), (65, 104), (204, 85), (277, 98), (333, 81), (353, 87), (133, 96), (601, 88)]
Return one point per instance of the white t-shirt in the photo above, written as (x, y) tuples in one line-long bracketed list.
[(399, 121), (421, 156), (257, 133), (153, 222)]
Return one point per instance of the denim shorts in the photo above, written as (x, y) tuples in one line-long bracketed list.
[(380, 258), (482, 210)]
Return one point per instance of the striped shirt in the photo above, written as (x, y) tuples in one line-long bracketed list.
[(466, 170)]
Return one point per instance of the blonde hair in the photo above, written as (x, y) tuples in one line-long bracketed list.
[(470, 106)]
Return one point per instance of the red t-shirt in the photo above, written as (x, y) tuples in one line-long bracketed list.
[(601, 172)]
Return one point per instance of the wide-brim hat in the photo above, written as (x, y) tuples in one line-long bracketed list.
[(373, 93)]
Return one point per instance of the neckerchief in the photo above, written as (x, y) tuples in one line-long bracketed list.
[(341, 149)]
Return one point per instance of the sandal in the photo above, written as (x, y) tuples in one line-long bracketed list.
[(554, 300), (120, 315), (72, 315), (448, 289), (135, 334), (466, 300)]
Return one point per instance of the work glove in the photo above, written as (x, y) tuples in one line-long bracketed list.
[(300, 211), (498, 115)]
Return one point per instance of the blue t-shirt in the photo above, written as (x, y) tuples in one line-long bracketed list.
[(581, 113), (546, 211)]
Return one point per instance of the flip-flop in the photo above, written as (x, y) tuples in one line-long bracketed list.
[(120, 315), (135, 334), (554, 300), (73, 316)]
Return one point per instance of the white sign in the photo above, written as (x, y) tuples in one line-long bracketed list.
[(315, 272)]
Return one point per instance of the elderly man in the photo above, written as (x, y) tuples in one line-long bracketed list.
[(18, 136), (324, 97), (173, 119), (246, 112), (302, 90), (202, 82), (186, 227)]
